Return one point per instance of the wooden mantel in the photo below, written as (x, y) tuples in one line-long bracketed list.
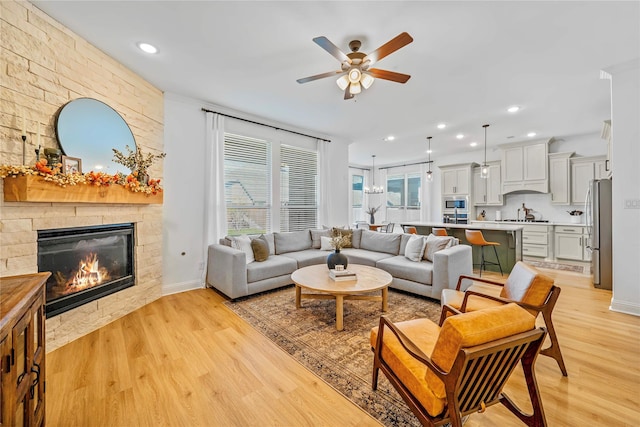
[(33, 188)]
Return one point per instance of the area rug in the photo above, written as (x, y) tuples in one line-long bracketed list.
[(341, 358), (560, 266)]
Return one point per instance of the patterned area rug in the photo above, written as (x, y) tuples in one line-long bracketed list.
[(560, 266), (341, 358)]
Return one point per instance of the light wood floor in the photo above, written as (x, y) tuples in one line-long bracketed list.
[(185, 360)]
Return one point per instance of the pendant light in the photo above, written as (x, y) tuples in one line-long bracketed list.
[(429, 173), (374, 189), (484, 169)]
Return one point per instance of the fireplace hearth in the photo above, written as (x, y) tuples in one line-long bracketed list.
[(86, 263)]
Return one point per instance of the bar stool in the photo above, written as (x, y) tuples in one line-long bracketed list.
[(410, 229), (475, 237), (439, 231)]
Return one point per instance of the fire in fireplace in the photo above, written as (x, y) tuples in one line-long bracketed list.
[(86, 263)]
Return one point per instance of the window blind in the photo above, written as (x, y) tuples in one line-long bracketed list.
[(298, 188), (247, 184)]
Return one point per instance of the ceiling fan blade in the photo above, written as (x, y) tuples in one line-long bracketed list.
[(389, 47), (389, 75), (347, 93), (320, 76), (324, 43)]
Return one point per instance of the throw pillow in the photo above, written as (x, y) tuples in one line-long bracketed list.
[(243, 243), (325, 243), (315, 237), (415, 248), (435, 244), (345, 232), (260, 249)]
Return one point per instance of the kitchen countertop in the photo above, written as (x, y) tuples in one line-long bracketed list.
[(476, 225), (561, 223)]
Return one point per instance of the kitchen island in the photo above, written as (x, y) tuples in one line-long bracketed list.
[(509, 235)]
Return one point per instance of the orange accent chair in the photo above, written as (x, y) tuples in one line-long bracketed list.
[(476, 238), (439, 231), (445, 373), (525, 286)]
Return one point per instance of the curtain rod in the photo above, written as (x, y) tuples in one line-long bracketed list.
[(262, 124), (409, 164)]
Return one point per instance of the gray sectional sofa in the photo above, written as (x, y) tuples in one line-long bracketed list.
[(229, 272)]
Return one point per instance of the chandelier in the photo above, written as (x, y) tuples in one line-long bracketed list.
[(374, 189)]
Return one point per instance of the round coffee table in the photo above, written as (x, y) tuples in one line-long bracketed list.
[(316, 278)]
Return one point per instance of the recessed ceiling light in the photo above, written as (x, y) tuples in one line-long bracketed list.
[(513, 109), (473, 144), (531, 134), (429, 151), (148, 48), (441, 126), (459, 136), (390, 138)]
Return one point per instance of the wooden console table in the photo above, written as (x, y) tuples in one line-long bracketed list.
[(22, 350)]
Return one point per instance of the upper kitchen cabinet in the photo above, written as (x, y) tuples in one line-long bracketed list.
[(525, 167), (583, 170), (488, 192), (560, 178), (456, 179)]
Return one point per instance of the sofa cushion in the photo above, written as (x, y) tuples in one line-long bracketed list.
[(356, 237), (260, 248), (403, 242), (292, 241), (273, 266), (380, 242), (315, 237), (308, 257), (272, 245), (437, 243), (364, 257), (400, 267), (243, 243), (414, 249)]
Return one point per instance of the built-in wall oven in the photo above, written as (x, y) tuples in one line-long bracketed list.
[(455, 209)]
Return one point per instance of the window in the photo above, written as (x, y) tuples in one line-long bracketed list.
[(357, 184), (298, 188), (403, 191), (247, 184)]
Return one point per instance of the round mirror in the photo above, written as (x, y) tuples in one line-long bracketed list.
[(89, 129)]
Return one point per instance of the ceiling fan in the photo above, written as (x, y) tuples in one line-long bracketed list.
[(355, 71)]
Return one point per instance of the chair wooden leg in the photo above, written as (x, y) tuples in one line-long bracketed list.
[(554, 349), (537, 419)]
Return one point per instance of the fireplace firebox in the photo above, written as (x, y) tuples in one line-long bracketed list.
[(86, 263)]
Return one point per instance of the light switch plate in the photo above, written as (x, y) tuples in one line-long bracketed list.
[(632, 204)]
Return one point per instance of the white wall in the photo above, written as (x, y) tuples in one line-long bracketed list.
[(183, 213), (625, 108)]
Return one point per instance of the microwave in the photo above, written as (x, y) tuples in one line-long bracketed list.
[(453, 204)]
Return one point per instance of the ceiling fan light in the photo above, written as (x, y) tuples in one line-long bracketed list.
[(354, 75), (343, 82), (355, 88), (366, 80)]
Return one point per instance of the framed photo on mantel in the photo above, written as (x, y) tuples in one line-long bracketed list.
[(71, 165)]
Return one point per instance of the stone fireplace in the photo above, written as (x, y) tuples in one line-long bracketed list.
[(87, 263)]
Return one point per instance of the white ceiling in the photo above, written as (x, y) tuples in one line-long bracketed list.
[(469, 61)]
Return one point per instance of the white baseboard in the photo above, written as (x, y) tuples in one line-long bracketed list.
[(625, 307), (175, 288)]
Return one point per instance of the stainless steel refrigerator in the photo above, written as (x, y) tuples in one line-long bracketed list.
[(599, 223)]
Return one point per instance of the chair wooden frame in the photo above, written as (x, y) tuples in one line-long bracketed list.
[(546, 309), (476, 379)]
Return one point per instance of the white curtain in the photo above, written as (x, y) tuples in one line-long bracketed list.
[(215, 215), (324, 172)]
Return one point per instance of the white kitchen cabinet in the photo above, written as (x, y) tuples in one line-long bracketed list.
[(525, 167), (583, 170), (535, 241), (456, 179), (488, 192), (560, 178), (571, 243)]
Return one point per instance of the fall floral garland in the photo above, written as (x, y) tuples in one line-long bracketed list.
[(98, 179)]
